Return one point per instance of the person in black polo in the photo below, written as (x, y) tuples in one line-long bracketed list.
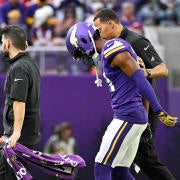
[(153, 67), (21, 118)]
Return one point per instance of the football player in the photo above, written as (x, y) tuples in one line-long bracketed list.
[(127, 85), (153, 67)]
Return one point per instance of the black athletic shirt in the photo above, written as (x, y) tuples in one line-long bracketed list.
[(144, 49), (23, 84)]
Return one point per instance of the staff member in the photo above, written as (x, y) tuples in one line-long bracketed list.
[(21, 119), (109, 26)]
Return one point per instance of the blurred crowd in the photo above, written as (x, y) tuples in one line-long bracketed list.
[(46, 22)]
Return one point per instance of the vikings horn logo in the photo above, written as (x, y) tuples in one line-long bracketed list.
[(14, 158), (73, 38)]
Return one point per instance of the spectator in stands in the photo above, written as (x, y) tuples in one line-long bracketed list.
[(1, 1), (43, 29), (147, 12), (137, 3), (67, 3), (69, 20), (79, 7), (166, 14), (95, 7), (32, 9), (27, 3), (9, 5), (178, 11), (129, 19), (14, 18), (61, 142)]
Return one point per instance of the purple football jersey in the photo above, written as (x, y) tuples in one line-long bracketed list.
[(62, 167), (126, 100)]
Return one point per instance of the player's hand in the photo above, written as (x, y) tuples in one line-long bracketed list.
[(141, 63), (167, 119), (142, 66), (1, 139), (146, 135), (14, 138)]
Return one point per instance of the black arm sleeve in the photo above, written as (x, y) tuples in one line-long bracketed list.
[(19, 84), (146, 51)]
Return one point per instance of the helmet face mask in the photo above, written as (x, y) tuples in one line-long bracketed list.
[(79, 54)]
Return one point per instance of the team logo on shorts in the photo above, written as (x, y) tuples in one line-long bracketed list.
[(14, 158)]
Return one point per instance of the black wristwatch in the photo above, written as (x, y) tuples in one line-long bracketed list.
[(148, 72)]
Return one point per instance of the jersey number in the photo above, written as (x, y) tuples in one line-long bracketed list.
[(109, 82)]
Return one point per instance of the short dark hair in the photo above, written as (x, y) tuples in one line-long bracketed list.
[(16, 35), (58, 129), (96, 35), (107, 14)]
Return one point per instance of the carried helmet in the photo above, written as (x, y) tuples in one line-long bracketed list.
[(80, 41), (80, 44)]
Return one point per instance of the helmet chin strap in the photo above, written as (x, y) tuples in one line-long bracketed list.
[(98, 81)]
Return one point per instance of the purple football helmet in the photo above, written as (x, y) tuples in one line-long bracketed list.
[(80, 41)]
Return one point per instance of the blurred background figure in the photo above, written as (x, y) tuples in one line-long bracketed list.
[(147, 12), (61, 142), (69, 19), (1, 1), (43, 28), (31, 10), (137, 27), (9, 5), (129, 19), (137, 3), (14, 18), (166, 14), (27, 3), (79, 7), (177, 9), (95, 8)]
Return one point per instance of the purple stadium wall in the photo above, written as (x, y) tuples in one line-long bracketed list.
[(76, 99)]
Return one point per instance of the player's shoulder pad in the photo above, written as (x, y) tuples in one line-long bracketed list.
[(113, 47)]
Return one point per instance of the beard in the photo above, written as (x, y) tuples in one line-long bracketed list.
[(6, 56)]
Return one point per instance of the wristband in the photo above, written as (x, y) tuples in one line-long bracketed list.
[(148, 73)]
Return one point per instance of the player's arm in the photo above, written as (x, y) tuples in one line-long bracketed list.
[(142, 66), (151, 59), (19, 112), (19, 92), (156, 72), (125, 62), (145, 104), (129, 66)]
